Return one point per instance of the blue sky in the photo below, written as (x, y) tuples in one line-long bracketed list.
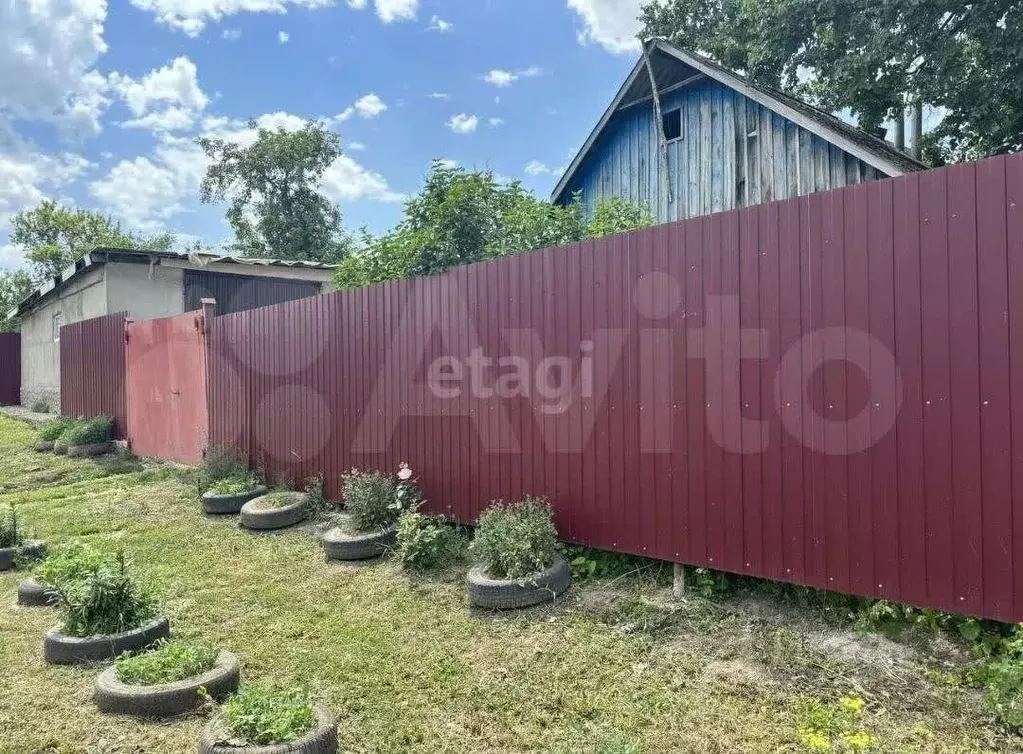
[(107, 98)]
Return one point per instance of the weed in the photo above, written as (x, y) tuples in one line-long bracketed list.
[(515, 540), (233, 485), (588, 563), (833, 727), (166, 662), (318, 503), (91, 432), (369, 499), (69, 563), (276, 499), (426, 541), (221, 462), (106, 600), (54, 429), (636, 615), (41, 407), (260, 717)]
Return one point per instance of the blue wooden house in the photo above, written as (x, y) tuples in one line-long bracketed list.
[(729, 143)]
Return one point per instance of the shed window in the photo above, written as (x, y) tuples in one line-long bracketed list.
[(672, 122), (58, 322)]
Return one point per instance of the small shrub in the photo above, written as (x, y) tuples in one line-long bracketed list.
[(833, 727), (233, 485), (261, 717), (516, 540), (69, 430), (69, 563), (221, 462), (1000, 673), (426, 541), (10, 529), (54, 429), (91, 432), (40, 407), (318, 503), (375, 501), (167, 662), (106, 600)]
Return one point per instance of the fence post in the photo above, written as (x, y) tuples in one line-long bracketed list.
[(209, 310)]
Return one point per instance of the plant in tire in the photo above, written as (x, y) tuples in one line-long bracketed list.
[(258, 716), (10, 528), (108, 599), (92, 432), (168, 661), (220, 463), (515, 540), (375, 501), (70, 562)]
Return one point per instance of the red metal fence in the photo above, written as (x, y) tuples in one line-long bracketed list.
[(10, 368), (92, 370), (816, 391)]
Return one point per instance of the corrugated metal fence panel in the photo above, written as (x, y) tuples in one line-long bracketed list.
[(10, 368), (239, 293), (816, 390), (92, 369)]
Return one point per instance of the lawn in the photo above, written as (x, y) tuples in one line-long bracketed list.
[(617, 666)]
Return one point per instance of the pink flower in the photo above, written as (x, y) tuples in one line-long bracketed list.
[(404, 472)]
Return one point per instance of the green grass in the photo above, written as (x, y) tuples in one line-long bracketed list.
[(233, 485), (259, 717), (167, 662), (405, 664)]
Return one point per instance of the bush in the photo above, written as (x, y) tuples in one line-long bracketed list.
[(54, 429), (167, 662), (69, 563), (106, 600), (40, 407), (233, 485), (10, 530), (375, 501), (261, 717), (516, 540), (426, 541), (91, 432), (222, 462), (69, 429)]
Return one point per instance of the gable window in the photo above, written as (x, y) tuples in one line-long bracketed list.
[(672, 123), (58, 322)]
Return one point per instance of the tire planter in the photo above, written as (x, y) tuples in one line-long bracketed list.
[(508, 594), (296, 511), (166, 699), (31, 593), (59, 448), (338, 544), (229, 504), (320, 740), (91, 450), (59, 649), (31, 549), (44, 446)]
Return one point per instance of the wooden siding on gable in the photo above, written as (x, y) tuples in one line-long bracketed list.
[(733, 153)]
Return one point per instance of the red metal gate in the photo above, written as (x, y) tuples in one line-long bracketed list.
[(166, 379), (10, 368)]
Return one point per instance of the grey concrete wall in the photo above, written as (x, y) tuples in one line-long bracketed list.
[(84, 298), (144, 292)]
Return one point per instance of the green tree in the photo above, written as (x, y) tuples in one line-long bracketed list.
[(55, 236), (872, 56), (276, 209), (14, 288), (461, 217)]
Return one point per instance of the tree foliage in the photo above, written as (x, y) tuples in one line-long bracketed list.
[(871, 56), (461, 217), (55, 236), (14, 287), (276, 209)]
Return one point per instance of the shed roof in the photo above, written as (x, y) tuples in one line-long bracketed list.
[(674, 67), (198, 260)]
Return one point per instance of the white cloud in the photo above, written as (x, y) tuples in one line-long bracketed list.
[(439, 95), (47, 52), (28, 177), (535, 167), (231, 35), (191, 16), (346, 180), (367, 106), (500, 77), (447, 164), (11, 258), (357, 4), (174, 85), (613, 24), (171, 119), (283, 37), (355, 146), (396, 10), (439, 24), (495, 122), (463, 124)]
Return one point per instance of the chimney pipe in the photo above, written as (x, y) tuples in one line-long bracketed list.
[(900, 128), (916, 129)]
